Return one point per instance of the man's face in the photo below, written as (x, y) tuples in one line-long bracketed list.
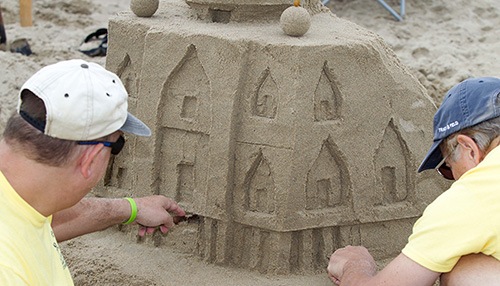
[(100, 164), (108, 152), (461, 164), (465, 156)]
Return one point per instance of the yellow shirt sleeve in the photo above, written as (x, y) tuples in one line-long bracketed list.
[(457, 223)]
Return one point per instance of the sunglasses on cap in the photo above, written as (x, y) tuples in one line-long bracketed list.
[(116, 147)]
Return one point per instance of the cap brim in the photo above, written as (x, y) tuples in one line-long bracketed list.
[(434, 156), (134, 126)]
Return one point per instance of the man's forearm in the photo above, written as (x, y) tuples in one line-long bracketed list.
[(89, 215)]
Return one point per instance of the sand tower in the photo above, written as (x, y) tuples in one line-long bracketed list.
[(287, 147)]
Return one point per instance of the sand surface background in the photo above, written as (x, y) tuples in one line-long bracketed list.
[(441, 41)]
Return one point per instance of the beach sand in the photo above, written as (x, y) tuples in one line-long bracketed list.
[(442, 42)]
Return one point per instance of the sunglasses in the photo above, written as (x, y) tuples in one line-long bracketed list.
[(116, 147), (443, 169)]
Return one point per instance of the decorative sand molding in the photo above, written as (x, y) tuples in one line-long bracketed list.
[(286, 147)]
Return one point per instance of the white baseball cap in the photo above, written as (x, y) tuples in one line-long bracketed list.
[(83, 100)]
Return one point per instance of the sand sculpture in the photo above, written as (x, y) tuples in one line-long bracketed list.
[(144, 8), (286, 147), (295, 20)]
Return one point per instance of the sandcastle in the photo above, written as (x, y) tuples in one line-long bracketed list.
[(286, 147)]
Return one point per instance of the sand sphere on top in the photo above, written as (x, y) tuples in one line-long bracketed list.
[(295, 21), (144, 8)]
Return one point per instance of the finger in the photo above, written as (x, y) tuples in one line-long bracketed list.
[(142, 231), (172, 206), (169, 222), (332, 277), (163, 229), (177, 210), (178, 219)]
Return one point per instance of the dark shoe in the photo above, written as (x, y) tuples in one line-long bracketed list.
[(95, 44), (21, 46)]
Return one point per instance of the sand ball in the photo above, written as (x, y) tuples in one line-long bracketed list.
[(144, 8), (295, 21)]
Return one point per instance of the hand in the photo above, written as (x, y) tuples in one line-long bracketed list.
[(155, 212), (350, 261)]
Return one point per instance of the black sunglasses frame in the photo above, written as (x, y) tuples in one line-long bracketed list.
[(443, 169), (116, 147)]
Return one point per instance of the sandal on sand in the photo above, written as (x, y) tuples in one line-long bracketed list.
[(95, 44), (21, 46)]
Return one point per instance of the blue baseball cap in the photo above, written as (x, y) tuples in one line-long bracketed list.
[(468, 103)]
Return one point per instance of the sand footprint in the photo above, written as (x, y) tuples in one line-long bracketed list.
[(440, 9), (485, 37), (420, 52), (488, 13)]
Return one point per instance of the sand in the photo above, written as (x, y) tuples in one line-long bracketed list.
[(442, 42)]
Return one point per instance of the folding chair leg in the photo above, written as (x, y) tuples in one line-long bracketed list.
[(399, 16)]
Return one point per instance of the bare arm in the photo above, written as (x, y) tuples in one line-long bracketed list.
[(473, 269), (353, 265), (95, 214), (89, 215)]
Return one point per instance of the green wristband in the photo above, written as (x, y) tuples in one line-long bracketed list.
[(133, 214)]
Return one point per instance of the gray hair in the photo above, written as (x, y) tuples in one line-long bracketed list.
[(483, 134)]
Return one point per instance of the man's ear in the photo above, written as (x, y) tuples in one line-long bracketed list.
[(470, 147), (87, 159)]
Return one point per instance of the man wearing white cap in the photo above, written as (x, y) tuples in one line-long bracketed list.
[(459, 233), (71, 118)]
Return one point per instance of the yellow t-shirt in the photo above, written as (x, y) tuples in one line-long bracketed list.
[(463, 220), (29, 253)]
